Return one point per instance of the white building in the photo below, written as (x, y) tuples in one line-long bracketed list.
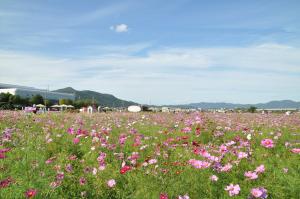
[(28, 92)]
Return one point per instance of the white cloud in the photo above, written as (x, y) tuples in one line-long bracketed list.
[(120, 28), (237, 74)]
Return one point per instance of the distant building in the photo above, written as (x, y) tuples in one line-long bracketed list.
[(28, 92), (165, 109)]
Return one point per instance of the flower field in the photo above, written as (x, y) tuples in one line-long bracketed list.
[(149, 155)]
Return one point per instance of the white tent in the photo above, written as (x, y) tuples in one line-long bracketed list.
[(40, 106), (134, 109)]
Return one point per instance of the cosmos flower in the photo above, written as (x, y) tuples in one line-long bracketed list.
[(233, 189), (76, 140), (82, 181), (30, 193), (111, 183), (226, 168), (6, 182), (242, 155), (258, 192), (214, 178), (163, 196), (296, 150), (267, 143), (186, 129), (125, 169), (198, 164), (260, 169), (152, 161), (184, 197), (251, 175), (60, 176)]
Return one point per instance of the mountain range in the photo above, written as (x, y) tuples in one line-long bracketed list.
[(112, 101), (218, 105)]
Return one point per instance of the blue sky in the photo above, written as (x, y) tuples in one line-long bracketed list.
[(158, 52)]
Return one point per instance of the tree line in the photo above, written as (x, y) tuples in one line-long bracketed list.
[(9, 101)]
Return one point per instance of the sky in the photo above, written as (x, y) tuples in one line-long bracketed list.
[(153, 51)]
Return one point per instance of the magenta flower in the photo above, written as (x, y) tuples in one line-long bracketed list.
[(82, 181), (76, 140), (233, 189), (30, 193), (2, 156), (268, 143), (125, 169), (111, 183), (60, 176), (163, 196), (6, 182)]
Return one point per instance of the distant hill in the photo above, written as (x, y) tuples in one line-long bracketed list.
[(100, 98), (268, 105)]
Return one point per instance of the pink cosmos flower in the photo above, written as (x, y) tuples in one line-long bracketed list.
[(50, 160), (296, 150), (55, 184), (285, 170), (6, 182), (259, 192), (268, 143), (60, 176), (256, 192), (214, 178), (82, 181), (251, 175), (233, 189), (198, 164), (71, 131), (260, 169), (2, 156), (30, 193), (242, 155), (223, 149), (76, 140), (111, 183), (152, 161), (226, 168), (186, 129), (184, 197)]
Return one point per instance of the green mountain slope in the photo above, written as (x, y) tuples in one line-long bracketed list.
[(100, 98)]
